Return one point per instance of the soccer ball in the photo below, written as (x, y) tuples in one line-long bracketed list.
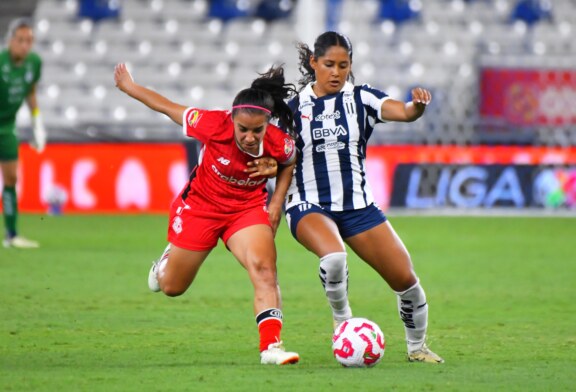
[(358, 342)]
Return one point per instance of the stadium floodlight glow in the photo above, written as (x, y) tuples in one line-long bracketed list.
[(502, 7), (232, 48), (215, 26), (450, 48), (156, 5), (539, 48), (99, 92), (476, 27), (275, 48), (362, 48), (520, 27), (258, 26), (145, 48), (187, 48), (564, 28), (128, 26), (43, 26), (172, 26), (367, 69), (465, 70), (222, 69), (196, 93), (71, 6), (416, 69), (493, 47), (86, 26), (174, 69), (395, 92), (58, 47), (80, 69), (432, 28), (119, 113), (71, 113), (345, 27), (406, 48), (53, 91), (457, 6), (387, 27), (101, 47)]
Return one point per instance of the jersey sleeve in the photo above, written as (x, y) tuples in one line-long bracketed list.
[(202, 124), (372, 99), (283, 147)]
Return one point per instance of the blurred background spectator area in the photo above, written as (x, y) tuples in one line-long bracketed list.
[(501, 71)]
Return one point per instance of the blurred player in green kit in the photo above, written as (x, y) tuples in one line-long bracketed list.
[(19, 74)]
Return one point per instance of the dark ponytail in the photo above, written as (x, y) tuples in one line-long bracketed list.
[(324, 42), (269, 92)]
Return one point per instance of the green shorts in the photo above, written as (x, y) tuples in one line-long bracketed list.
[(8, 143)]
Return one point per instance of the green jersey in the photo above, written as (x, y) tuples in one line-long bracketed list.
[(16, 82)]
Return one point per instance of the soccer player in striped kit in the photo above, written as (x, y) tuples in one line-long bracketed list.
[(226, 197), (329, 202)]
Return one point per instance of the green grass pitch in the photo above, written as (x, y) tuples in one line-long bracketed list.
[(76, 314)]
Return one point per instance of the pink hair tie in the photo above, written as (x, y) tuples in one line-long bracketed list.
[(251, 107)]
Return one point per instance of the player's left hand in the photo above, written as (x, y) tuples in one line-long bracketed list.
[(122, 77), (38, 133), (421, 96), (262, 167)]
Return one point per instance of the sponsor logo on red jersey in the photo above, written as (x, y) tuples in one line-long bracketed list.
[(194, 117)]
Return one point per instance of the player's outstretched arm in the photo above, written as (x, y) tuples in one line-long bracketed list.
[(393, 110), (152, 99)]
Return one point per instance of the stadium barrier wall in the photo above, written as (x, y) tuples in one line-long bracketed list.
[(527, 97), (144, 178)]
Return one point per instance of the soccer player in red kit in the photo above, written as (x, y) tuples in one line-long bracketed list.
[(226, 195)]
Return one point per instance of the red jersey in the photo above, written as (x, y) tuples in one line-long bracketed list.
[(219, 182)]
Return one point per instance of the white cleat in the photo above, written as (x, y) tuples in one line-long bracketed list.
[(20, 243), (275, 355), (153, 283)]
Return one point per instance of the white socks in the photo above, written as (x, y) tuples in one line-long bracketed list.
[(413, 311), (333, 273)]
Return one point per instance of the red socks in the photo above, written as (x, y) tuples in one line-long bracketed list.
[(269, 327)]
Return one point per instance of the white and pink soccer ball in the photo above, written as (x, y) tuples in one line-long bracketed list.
[(358, 342)]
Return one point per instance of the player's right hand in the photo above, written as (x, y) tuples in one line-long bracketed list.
[(262, 167)]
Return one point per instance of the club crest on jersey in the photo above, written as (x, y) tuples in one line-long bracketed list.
[(288, 146), (194, 117), (324, 133)]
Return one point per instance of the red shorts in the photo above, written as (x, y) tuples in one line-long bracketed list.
[(196, 229)]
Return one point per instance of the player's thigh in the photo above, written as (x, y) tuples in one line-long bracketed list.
[(384, 251), (254, 248), (319, 234), (181, 268), (9, 172), (315, 230)]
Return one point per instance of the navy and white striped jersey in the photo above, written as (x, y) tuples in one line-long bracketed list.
[(332, 135)]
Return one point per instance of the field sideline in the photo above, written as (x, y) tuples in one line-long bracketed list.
[(76, 315)]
